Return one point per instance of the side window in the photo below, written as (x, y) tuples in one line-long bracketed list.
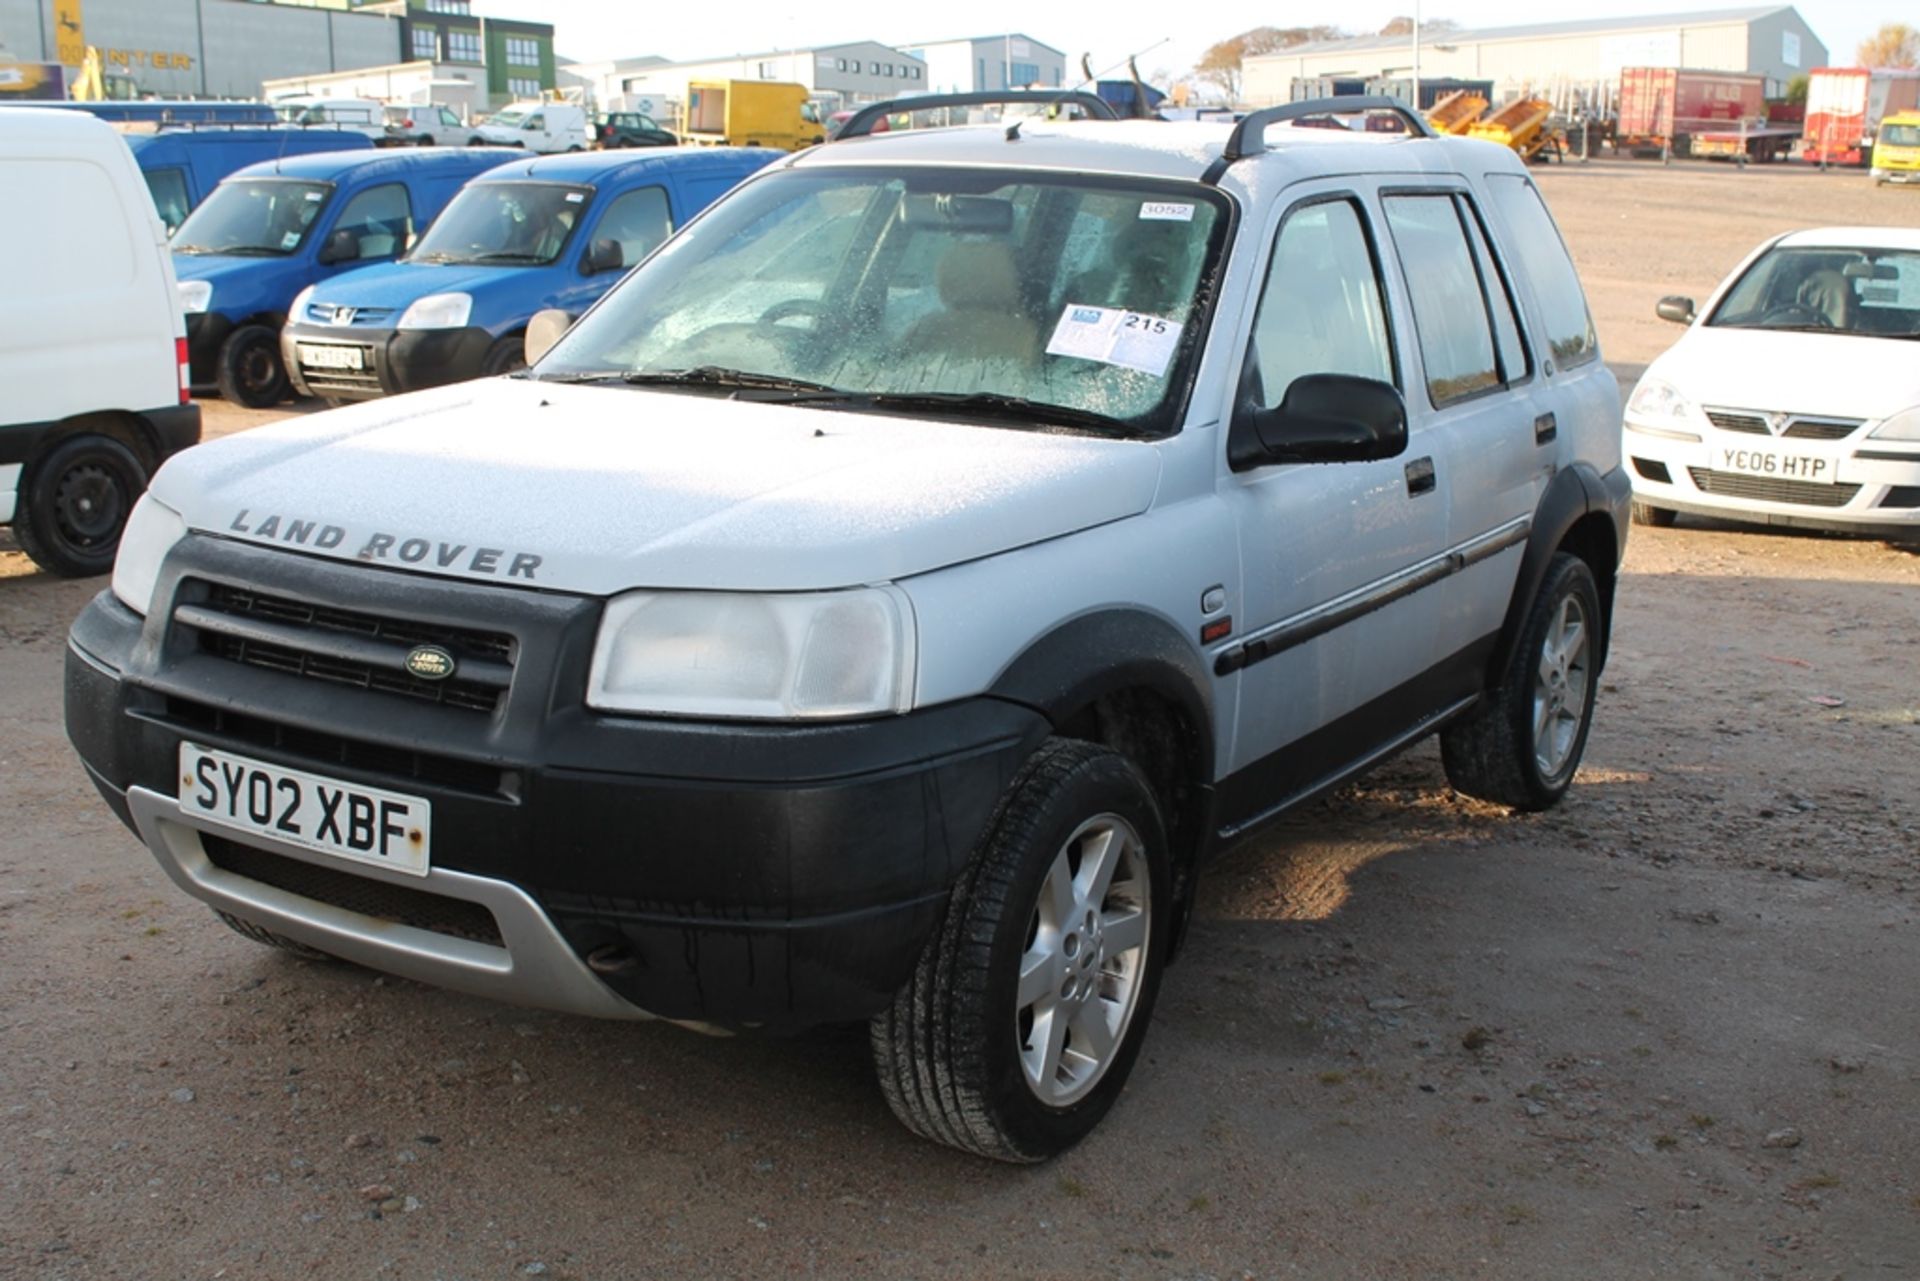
[(1321, 308), (169, 188), (1449, 311), (1514, 366), (380, 219), (535, 122), (639, 220), (1542, 258), (448, 119)]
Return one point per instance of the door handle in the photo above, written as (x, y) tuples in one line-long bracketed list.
[(1420, 479), (1545, 428)]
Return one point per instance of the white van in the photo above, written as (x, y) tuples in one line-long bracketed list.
[(95, 371), (356, 115), (537, 126)]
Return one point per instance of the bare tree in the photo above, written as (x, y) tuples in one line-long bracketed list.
[(1221, 63), (1403, 26), (1895, 44)]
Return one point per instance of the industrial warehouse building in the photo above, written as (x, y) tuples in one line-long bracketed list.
[(835, 74), (979, 64), (1552, 58), (228, 48)]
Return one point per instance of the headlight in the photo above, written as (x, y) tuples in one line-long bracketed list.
[(1660, 401), (757, 655), (437, 311), (1904, 425), (151, 532), (298, 311), (195, 295)]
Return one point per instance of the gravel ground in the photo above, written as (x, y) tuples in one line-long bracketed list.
[(1668, 1030)]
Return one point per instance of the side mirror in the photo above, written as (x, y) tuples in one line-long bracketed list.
[(603, 254), (1675, 308), (543, 331), (341, 246), (1324, 418)]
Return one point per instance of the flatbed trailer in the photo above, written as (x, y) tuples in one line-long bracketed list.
[(1760, 143)]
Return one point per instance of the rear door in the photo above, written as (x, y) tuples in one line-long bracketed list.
[(1476, 400)]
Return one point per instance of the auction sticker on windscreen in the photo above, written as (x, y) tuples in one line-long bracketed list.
[(1114, 336)]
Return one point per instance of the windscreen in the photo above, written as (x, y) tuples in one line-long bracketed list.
[(505, 119), (1864, 291), (508, 223), (1072, 291), (261, 217), (1900, 135)]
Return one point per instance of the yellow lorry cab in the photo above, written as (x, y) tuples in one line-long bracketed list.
[(1896, 148)]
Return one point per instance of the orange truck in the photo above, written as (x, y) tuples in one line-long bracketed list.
[(1665, 107)]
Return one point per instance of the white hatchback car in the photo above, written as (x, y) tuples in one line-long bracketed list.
[(1794, 397)]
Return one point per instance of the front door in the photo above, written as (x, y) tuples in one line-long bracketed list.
[(1333, 623)]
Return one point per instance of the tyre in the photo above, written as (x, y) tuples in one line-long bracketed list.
[(1647, 514), (1029, 1005), (505, 356), (248, 368), (267, 938), (75, 501), (1522, 743), (476, 141), (424, 140)]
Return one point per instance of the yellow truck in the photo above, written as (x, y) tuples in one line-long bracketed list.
[(1896, 148), (750, 113)]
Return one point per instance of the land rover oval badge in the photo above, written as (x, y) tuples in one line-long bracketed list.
[(429, 662)]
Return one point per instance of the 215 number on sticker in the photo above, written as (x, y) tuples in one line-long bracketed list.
[(1145, 324)]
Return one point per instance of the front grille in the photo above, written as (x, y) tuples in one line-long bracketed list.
[(322, 379), (1822, 428), (1796, 428), (1726, 420), (347, 647), (1767, 489), (380, 900), (325, 313), (394, 766)]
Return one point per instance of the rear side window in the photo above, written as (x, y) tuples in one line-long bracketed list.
[(380, 219), (1543, 260), (169, 188), (1321, 308), (1449, 310)]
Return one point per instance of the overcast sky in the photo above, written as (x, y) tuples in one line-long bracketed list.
[(591, 29)]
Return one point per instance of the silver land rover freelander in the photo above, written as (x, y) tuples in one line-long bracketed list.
[(882, 603)]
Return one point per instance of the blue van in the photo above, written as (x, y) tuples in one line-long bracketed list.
[(182, 166), (551, 231), (276, 227)]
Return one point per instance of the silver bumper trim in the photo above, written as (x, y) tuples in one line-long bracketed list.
[(536, 967)]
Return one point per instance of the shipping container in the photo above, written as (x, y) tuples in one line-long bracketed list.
[(1845, 106), (1666, 106)]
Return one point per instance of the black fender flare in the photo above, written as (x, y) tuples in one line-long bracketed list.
[(1575, 493), (1068, 671)]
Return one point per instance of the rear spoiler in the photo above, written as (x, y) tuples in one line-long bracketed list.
[(863, 121)]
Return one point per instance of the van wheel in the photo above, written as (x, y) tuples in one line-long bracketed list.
[(267, 938), (1522, 743), (1029, 1005), (476, 142), (249, 370), (505, 356), (76, 501), (424, 140)]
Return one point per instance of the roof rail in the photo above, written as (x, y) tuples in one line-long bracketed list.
[(864, 120), (1250, 135)]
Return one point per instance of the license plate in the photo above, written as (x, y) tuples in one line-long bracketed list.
[(330, 357), (362, 824), (1774, 462)]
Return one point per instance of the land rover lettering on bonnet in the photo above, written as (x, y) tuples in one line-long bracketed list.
[(947, 542)]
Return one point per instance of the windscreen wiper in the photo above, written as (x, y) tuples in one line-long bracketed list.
[(503, 256), (719, 377), (993, 406)]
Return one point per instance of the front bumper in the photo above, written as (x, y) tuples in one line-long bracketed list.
[(723, 874), (1900, 173), (1864, 486), (391, 360)]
